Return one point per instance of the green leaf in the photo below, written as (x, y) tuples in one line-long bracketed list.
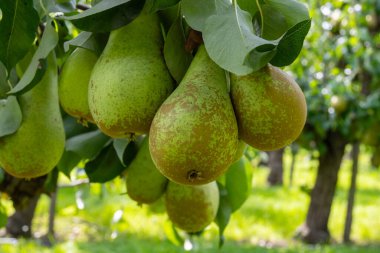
[(105, 167), (69, 160), (44, 7), (224, 213), (87, 145), (3, 216), (277, 17), (120, 146), (38, 64), (130, 153), (229, 39), (248, 5), (72, 127), (176, 57), (107, 15), (172, 234), (79, 41), (291, 44), (197, 11), (162, 4), (17, 30), (10, 116), (50, 184), (4, 86), (238, 183)]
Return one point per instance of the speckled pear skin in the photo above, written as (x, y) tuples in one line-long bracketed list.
[(130, 80), (73, 84), (193, 138), (192, 207), (145, 184), (270, 108), (37, 146)]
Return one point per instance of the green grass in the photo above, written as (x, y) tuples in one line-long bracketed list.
[(265, 223)]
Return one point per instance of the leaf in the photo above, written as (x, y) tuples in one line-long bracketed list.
[(105, 167), (279, 16), (130, 153), (4, 86), (172, 233), (176, 57), (120, 146), (69, 160), (38, 64), (73, 128), (10, 116), (229, 40), (87, 145), (249, 6), (106, 15), (50, 184), (238, 183), (78, 41), (3, 216), (44, 7), (197, 11), (224, 213), (291, 44), (17, 30), (162, 4)]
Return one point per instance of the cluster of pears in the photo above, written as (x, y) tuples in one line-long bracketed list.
[(195, 131)]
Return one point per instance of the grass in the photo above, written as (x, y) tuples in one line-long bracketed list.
[(111, 222)]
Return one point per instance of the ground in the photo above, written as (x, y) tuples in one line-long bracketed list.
[(111, 222)]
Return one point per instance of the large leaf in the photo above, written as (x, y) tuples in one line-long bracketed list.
[(176, 57), (224, 213), (10, 116), (105, 167), (87, 145), (107, 15), (291, 44), (38, 64), (238, 183), (120, 146), (162, 4), (82, 40), (249, 5), (17, 30), (69, 160), (197, 11), (229, 39)]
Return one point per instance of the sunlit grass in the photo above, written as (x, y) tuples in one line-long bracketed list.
[(268, 219)]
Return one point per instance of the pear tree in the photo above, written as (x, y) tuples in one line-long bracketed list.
[(158, 92)]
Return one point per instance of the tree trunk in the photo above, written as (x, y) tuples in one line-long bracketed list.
[(24, 195), (275, 163), (315, 229), (294, 148), (351, 194)]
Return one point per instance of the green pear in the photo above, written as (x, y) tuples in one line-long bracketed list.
[(73, 84), (242, 146), (192, 207), (270, 108), (145, 184), (130, 80), (38, 144), (193, 138)]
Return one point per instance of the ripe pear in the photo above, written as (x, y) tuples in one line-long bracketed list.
[(193, 138), (73, 84), (145, 184), (130, 80), (270, 108), (38, 144), (192, 207)]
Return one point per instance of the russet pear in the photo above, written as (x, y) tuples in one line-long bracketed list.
[(130, 80), (36, 147), (270, 108), (193, 138)]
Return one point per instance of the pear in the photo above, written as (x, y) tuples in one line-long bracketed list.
[(145, 184), (192, 207), (242, 146), (73, 84), (130, 80), (193, 138), (38, 144), (270, 108)]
